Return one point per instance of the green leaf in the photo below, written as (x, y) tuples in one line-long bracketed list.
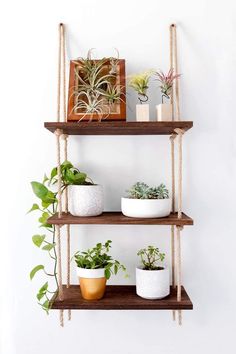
[(34, 207), (43, 218), (44, 288), (48, 247), (107, 273), (35, 270), (46, 306), (115, 269), (38, 240), (45, 179), (39, 190), (53, 172), (40, 296)]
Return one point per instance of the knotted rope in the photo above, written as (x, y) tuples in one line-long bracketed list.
[(174, 66)]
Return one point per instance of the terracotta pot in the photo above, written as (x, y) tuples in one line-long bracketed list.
[(92, 283)]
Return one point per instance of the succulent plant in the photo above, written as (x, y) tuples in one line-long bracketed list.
[(141, 190)]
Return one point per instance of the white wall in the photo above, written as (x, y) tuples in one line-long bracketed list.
[(206, 32)]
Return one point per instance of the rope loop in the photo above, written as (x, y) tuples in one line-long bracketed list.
[(58, 132)]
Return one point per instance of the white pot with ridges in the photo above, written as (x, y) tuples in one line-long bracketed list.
[(146, 202), (152, 278)]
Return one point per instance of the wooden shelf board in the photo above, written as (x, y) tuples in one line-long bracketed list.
[(119, 128), (117, 218), (120, 297)]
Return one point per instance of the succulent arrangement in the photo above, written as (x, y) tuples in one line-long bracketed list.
[(97, 90), (141, 190), (97, 257), (166, 82), (150, 257), (47, 206), (139, 82)]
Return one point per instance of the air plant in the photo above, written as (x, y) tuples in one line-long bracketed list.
[(139, 82), (166, 82), (96, 91)]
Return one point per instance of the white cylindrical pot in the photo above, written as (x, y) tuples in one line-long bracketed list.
[(86, 200), (142, 112), (152, 284), (146, 208), (164, 112)]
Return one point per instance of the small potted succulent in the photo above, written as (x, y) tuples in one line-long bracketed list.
[(164, 110), (94, 267), (152, 277), (146, 202), (140, 82), (85, 197)]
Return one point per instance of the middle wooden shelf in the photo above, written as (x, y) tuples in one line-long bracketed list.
[(117, 218)]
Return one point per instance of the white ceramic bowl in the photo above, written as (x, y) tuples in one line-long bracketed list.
[(146, 208)]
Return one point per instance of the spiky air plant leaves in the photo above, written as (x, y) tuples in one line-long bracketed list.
[(166, 82), (140, 83)]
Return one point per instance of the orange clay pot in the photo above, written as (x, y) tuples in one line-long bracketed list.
[(92, 283)]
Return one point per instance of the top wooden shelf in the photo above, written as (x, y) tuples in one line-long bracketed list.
[(118, 128)]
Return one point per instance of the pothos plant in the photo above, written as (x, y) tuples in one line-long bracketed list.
[(47, 206), (98, 257)]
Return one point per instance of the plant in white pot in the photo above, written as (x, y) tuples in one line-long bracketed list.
[(85, 197), (146, 202), (94, 267), (164, 110), (139, 82), (152, 277)]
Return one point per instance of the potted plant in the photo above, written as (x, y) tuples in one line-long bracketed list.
[(94, 267), (146, 202), (152, 277), (139, 82), (85, 197), (164, 110)]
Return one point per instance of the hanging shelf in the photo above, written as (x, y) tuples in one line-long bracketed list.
[(119, 128), (120, 297)]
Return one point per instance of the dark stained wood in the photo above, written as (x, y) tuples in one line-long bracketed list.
[(118, 128), (117, 218), (120, 297)]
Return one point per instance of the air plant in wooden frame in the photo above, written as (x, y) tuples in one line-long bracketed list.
[(97, 89)]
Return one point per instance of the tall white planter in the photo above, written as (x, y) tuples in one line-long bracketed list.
[(86, 200), (164, 112), (142, 112), (152, 284), (145, 208)]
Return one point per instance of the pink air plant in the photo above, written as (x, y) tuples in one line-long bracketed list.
[(166, 82)]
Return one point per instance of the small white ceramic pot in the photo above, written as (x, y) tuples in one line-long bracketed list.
[(146, 208), (142, 112), (152, 284), (86, 200), (164, 112)]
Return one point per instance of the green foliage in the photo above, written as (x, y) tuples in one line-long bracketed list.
[(35, 270), (70, 175), (166, 82), (97, 257), (139, 82), (141, 190), (150, 257)]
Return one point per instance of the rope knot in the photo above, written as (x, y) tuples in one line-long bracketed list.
[(179, 131), (58, 132), (64, 137)]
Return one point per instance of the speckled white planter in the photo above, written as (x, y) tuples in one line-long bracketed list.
[(152, 284), (146, 208), (86, 200)]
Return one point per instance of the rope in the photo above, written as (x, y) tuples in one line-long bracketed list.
[(178, 266), (59, 270), (180, 133), (171, 67), (58, 133), (174, 66)]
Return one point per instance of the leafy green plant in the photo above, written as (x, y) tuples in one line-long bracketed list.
[(141, 190), (150, 257), (139, 82), (166, 82), (46, 207), (97, 257)]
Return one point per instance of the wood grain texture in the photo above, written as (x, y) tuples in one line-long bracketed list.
[(120, 297), (117, 218), (119, 128)]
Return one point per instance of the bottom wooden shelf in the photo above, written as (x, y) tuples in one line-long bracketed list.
[(120, 297)]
